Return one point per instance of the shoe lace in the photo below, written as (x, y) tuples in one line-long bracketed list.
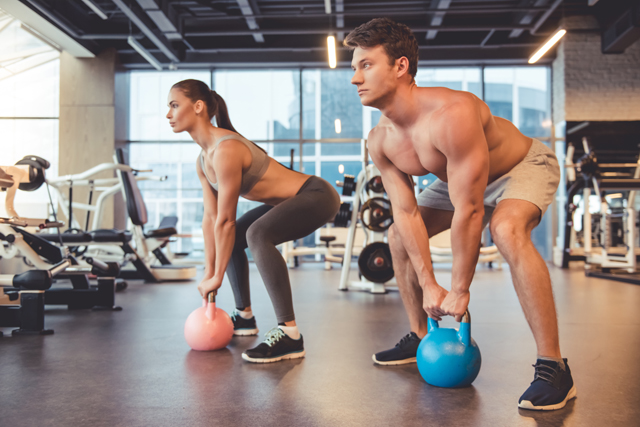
[(404, 340), (273, 336), (546, 373)]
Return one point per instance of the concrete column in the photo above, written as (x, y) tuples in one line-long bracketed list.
[(87, 120)]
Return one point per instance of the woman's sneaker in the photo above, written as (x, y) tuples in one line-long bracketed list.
[(276, 346), (243, 327), (404, 352), (552, 387)]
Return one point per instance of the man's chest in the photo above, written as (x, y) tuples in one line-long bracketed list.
[(415, 154)]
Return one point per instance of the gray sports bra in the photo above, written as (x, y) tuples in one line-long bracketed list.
[(259, 164)]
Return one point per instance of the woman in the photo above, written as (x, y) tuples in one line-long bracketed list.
[(294, 206)]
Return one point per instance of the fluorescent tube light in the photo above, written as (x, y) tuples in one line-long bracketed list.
[(338, 125), (331, 44), (548, 45), (144, 53)]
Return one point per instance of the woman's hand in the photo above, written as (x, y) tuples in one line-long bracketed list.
[(209, 285)]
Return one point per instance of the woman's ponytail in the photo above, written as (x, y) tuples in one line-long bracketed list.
[(221, 113)]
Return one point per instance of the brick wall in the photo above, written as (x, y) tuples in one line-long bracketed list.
[(588, 85)]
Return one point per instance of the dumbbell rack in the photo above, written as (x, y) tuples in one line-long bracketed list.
[(361, 195)]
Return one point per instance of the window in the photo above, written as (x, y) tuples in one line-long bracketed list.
[(29, 112), (264, 106)]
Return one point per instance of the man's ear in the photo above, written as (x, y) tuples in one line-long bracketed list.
[(403, 66), (198, 106)]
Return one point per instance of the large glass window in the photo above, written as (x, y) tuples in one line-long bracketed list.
[(149, 103), (264, 106), (29, 111)]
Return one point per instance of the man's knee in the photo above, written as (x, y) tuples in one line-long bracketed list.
[(508, 233)]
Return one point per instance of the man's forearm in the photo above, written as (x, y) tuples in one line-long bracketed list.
[(466, 231), (416, 242)]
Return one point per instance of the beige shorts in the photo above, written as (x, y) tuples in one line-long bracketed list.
[(535, 179)]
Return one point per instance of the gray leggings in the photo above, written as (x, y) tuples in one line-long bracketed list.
[(263, 228)]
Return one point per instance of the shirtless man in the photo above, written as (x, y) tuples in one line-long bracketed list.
[(486, 169)]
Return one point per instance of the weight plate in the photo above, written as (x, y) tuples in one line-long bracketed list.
[(375, 262)]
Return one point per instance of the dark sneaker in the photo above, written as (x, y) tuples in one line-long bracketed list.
[(552, 387), (242, 326), (276, 346), (404, 352)]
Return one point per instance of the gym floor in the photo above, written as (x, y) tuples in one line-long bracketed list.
[(133, 367)]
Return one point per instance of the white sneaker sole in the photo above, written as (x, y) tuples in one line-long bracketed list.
[(394, 362), (525, 404), (297, 355), (245, 332)]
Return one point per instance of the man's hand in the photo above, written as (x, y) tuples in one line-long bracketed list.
[(209, 285), (432, 298), (455, 304)]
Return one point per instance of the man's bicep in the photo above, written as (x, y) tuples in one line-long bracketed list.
[(467, 175), (465, 147)]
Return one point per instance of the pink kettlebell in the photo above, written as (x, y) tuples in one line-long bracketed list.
[(208, 327)]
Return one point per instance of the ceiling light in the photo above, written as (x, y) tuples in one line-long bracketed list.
[(331, 44), (548, 45), (338, 125), (144, 53)]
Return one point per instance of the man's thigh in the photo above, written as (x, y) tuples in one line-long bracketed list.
[(436, 220)]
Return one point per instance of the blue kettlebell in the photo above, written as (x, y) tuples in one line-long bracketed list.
[(449, 358)]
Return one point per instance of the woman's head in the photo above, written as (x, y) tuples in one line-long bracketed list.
[(192, 100)]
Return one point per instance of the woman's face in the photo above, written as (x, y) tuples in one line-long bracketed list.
[(183, 113)]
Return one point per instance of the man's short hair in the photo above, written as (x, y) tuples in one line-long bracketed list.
[(396, 39)]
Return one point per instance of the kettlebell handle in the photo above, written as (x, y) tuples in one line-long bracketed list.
[(464, 332), (466, 318), (211, 297)]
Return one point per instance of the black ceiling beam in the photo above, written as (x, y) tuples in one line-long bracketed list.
[(544, 17), (325, 30), (249, 9), (317, 59), (163, 17), (386, 12), (437, 17), (144, 23)]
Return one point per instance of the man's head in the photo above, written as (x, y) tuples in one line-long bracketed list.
[(385, 54)]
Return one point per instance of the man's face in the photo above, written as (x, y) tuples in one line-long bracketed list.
[(373, 76)]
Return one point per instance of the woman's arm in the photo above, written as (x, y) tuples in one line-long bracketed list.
[(209, 198), (228, 162)]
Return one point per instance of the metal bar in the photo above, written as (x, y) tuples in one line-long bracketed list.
[(387, 12), (325, 30), (160, 41), (486, 39), (544, 17), (317, 48)]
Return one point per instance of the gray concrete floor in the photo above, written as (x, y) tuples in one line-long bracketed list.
[(133, 368)]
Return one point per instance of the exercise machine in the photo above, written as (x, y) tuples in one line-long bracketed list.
[(149, 262)]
